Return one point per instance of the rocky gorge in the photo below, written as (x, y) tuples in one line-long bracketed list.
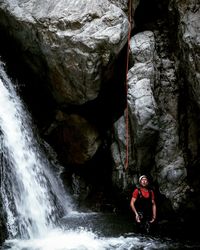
[(109, 124)]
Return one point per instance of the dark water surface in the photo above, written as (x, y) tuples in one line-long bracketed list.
[(114, 225)]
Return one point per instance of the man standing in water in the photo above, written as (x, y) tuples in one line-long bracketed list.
[(143, 204)]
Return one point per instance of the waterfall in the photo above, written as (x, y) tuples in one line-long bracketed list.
[(32, 195)]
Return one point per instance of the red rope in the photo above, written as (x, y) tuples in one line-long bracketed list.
[(126, 83)]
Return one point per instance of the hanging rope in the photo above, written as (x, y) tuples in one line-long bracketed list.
[(126, 83)]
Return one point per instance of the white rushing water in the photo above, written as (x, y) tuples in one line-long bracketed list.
[(29, 190), (34, 198), (85, 240)]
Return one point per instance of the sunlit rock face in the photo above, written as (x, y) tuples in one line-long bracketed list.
[(188, 21), (142, 104), (142, 109), (72, 42)]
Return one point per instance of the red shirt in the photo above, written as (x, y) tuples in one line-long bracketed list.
[(145, 193)]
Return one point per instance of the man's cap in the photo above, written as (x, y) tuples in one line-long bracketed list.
[(142, 176)]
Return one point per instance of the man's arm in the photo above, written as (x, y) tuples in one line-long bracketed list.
[(132, 204), (153, 211)]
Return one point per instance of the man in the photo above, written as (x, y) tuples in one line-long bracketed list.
[(143, 204)]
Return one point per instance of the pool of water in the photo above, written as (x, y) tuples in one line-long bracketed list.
[(96, 231)]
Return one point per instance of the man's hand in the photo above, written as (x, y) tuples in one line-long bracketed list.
[(137, 217), (152, 220)]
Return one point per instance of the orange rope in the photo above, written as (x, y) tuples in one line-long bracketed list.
[(126, 111)]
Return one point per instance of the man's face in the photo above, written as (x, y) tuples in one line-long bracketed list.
[(144, 182)]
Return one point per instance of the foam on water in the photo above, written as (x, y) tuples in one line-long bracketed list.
[(81, 239)]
